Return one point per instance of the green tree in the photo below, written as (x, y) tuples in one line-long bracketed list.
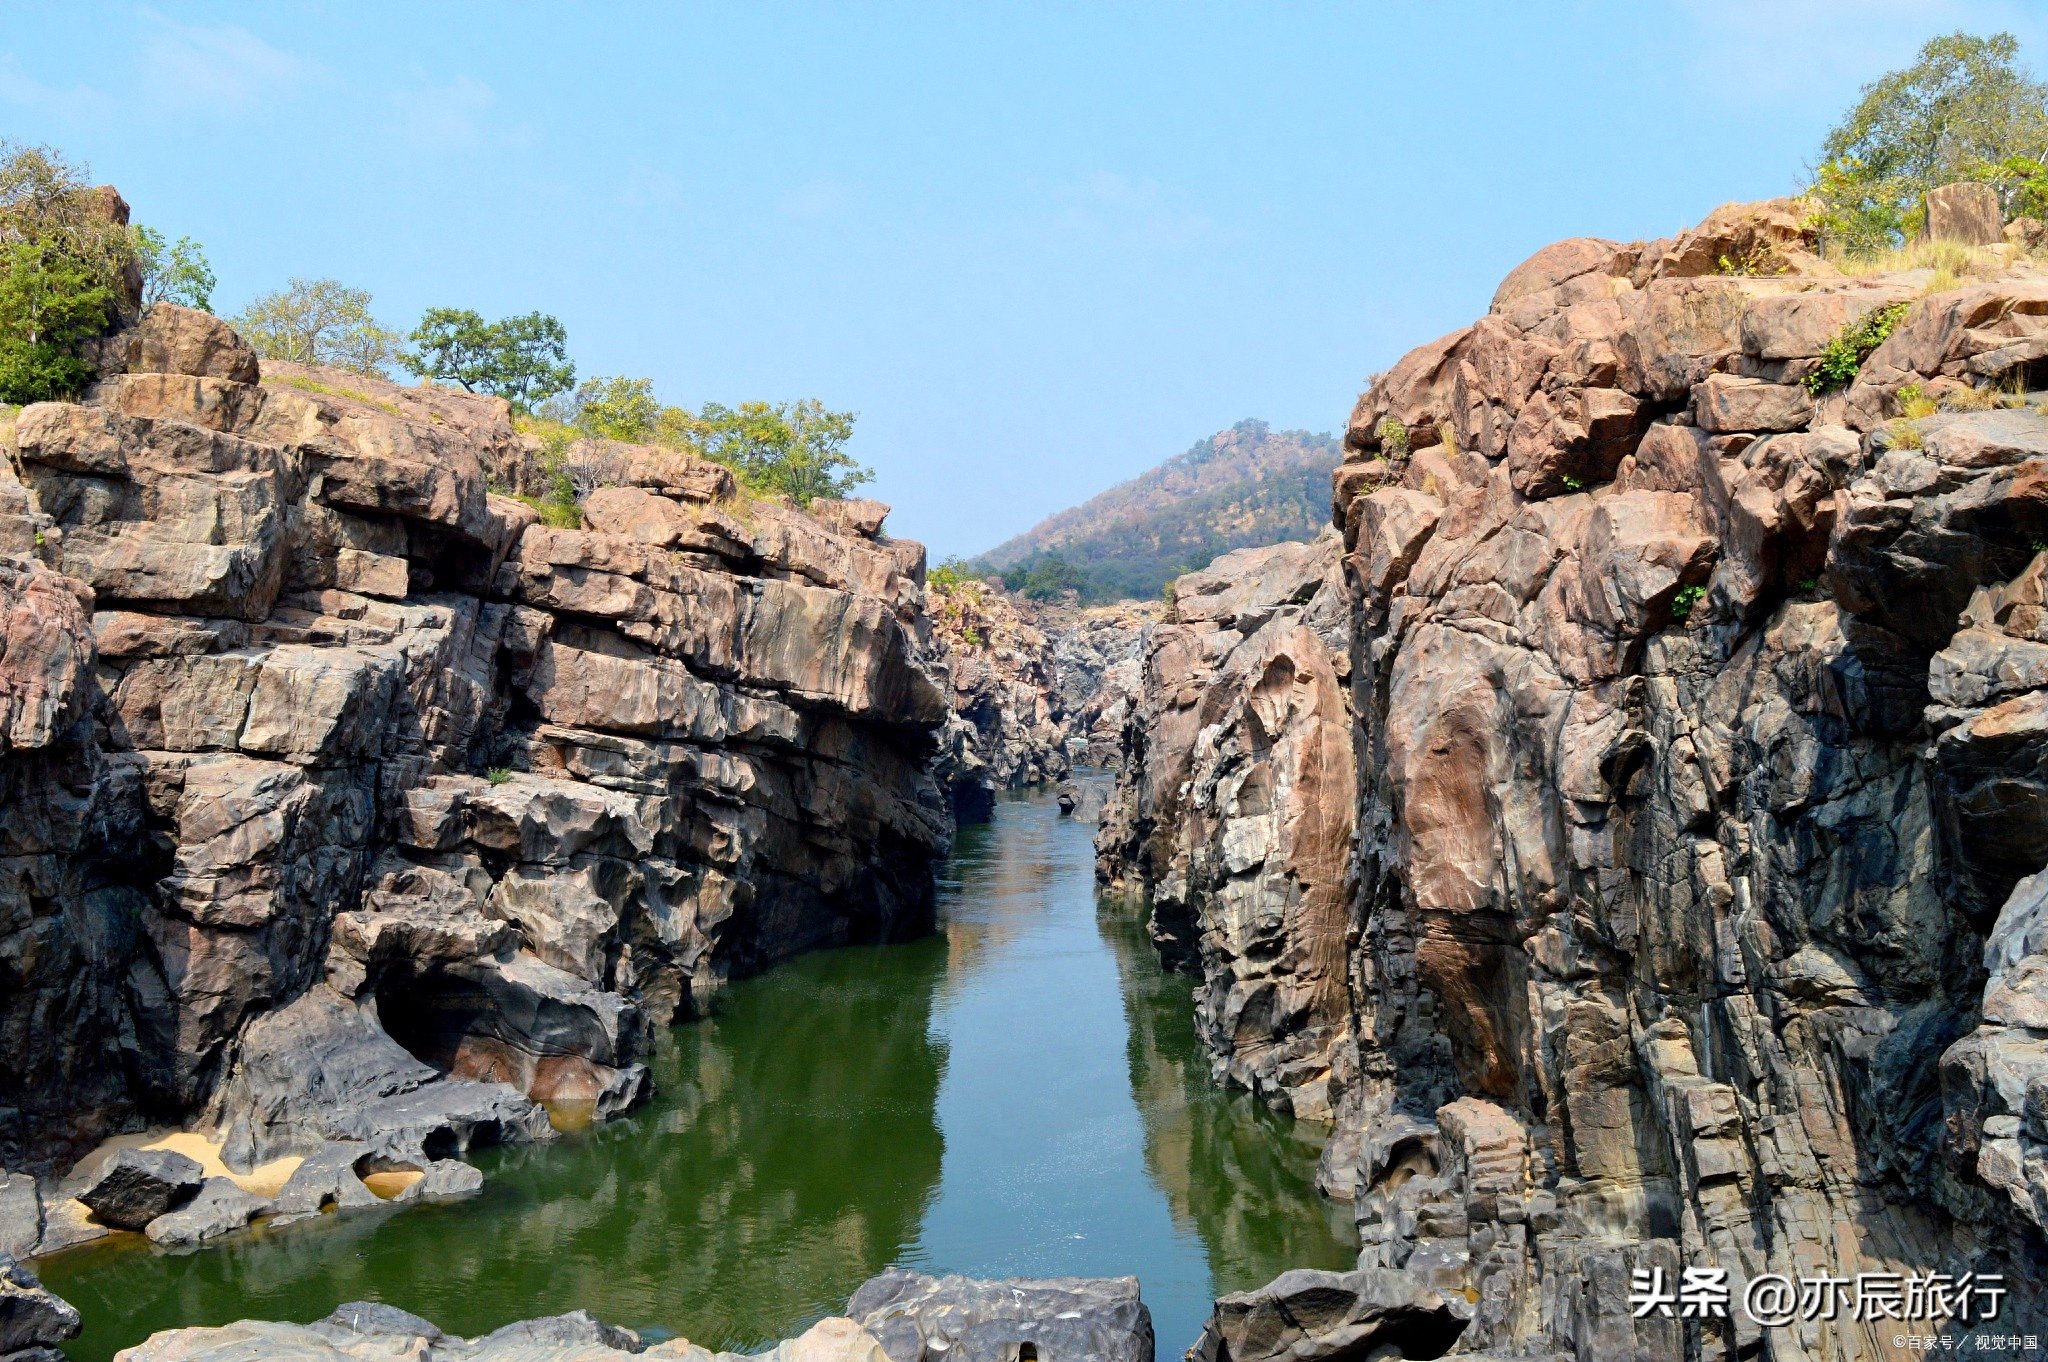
[(173, 273), (62, 263), (49, 302), (319, 321), (1965, 110), (524, 360), (792, 449), (617, 409)]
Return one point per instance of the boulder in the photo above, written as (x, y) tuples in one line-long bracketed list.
[(918, 1318), (1727, 403), (138, 1185), (179, 340), (1306, 1316), (1967, 212), (21, 1215), (220, 1208), (30, 1317)]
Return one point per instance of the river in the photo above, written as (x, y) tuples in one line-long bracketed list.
[(1019, 1095)]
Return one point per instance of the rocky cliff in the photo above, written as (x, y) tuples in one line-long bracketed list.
[(1231, 816), (1693, 912), (1010, 722), (351, 811)]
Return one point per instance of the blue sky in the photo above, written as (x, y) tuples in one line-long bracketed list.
[(1038, 247)]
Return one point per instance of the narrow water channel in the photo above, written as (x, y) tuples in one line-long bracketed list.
[(1020, 1095)]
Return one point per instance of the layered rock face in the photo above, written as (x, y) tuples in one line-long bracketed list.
[(1010, 723), (1700, 750), (347, 802), (1232, 813)]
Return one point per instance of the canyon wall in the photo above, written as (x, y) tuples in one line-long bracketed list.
[(1692, 919), (345, 800)]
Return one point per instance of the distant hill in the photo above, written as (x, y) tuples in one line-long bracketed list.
[(1242, 487)]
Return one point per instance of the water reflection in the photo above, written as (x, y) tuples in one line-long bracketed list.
[(1241, 1177), (789, 1157)]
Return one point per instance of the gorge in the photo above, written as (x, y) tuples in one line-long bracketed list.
[(1613, 848)]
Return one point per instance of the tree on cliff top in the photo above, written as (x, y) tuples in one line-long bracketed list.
[(173, 272), (1965, 110), (319, 321), (787, 449), (524, 360), (791, 449), (62, 255)]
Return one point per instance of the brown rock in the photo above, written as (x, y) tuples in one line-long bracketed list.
[(1967, 212)]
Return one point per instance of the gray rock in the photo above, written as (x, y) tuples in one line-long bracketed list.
[(448, 1117), (577, 1329), (1310, 1316), (30, 1317), (138, 1185), (21, 1215), (67, 1223), (328, 1177), (444, 1180), (918, 1318), (220, 1208)]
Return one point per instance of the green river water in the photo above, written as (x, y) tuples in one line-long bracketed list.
[(1020, 1095)]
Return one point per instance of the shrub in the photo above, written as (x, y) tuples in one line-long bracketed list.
[(498, 775), (948, 575), (61, 263), (1842, 357), (1393, 437), (1914, 402), (1685, 600)]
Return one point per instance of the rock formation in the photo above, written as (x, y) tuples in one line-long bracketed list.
[(1010, 723), (1700, 721), (1099, 656), (353, 813), (897, 1317), (1232, 816)]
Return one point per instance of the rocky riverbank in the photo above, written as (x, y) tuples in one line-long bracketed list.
[(897, 1317), (358, 816), (1697, 808)]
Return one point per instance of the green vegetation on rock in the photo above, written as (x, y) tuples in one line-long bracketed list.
[(1843, 355), (795, 450), (62, 257)]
